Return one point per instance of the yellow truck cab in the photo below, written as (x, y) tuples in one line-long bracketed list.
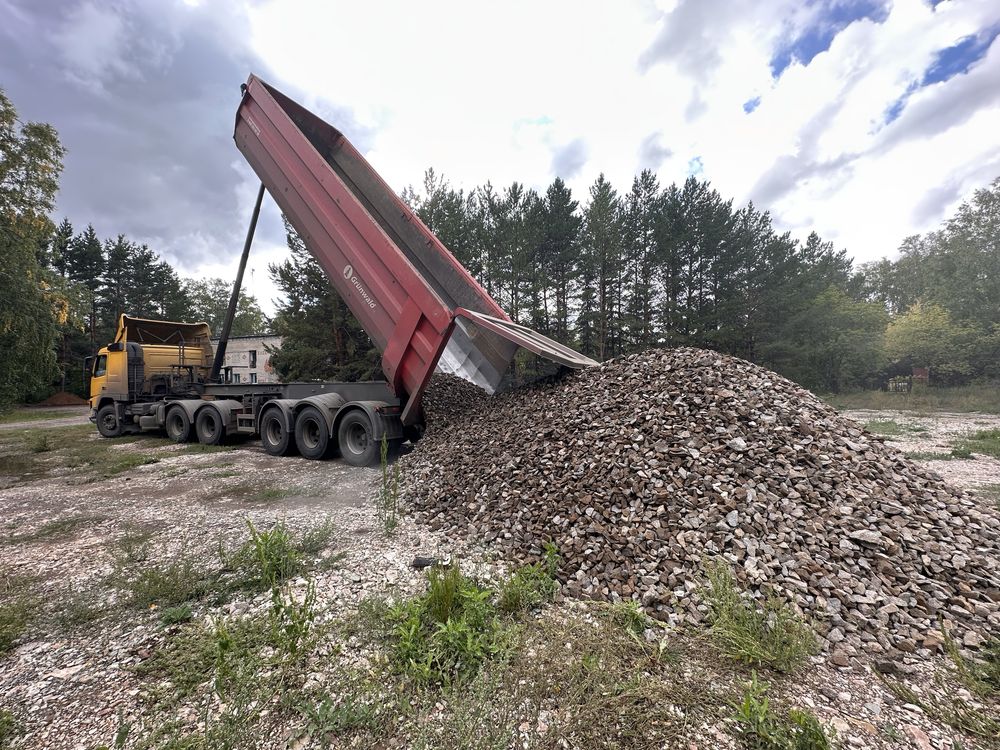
[(148, 361)]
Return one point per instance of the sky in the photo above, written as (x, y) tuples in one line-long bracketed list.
[(865, 121)]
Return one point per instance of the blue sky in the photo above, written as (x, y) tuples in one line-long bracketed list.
[(865, 121)]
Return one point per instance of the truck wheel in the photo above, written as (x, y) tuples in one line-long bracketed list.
[(357, 444), (178, 425), (312, 436), (276, 439), (107, 422), (208, 426)]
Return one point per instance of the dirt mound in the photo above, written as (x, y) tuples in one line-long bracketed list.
[(63, 398), (640, 469)]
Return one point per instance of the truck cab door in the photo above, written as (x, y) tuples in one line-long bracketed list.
[(98, 377)]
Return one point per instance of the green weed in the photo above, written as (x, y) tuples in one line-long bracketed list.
[(759, 727), (331, 718), (980, 675), (387, 501), (174, 582), (78, 608), (527, 588), (772, 635), (266, 559), (445, 635), (316, 538), (176, 615)]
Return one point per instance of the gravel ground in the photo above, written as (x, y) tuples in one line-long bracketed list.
[(71, 686), (937, 434)]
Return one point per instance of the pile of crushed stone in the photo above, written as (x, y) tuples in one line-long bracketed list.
[(641, 468)]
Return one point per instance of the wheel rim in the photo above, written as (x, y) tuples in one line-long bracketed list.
[(273, 431), (209, 426), (310, 434), (175, 425), (109, 421), (357, 438)]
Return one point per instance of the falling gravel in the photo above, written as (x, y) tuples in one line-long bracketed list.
[(642, 468)]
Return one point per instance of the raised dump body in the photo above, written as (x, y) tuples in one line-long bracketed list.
[(420, 306)]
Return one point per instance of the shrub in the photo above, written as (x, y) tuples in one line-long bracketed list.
[(761, 728)]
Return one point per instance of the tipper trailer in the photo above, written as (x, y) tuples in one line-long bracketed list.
[(418, 304)]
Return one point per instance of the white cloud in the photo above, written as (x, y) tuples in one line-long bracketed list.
[(498, 93)]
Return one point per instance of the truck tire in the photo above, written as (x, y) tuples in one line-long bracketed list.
[(178, 425), (312, 434), (208, 426), (107, 422), (274, 436), (357, 443)]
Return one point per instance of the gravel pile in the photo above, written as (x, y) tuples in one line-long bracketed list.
[(640, 469)]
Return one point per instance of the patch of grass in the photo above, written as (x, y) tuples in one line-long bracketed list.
[(10, 728), (176, 615), (267, 558), (759, 727), (890, 427), (316, 538), (174, 582), (78, 608), (444, 636), (941, 702), (990, 492), (986, 442), (980, 675), (771, 635), (34, 414), (332, 717), (57, 529), (602, 687), (928, 456), (202, 448), (133, 546), (968, 398), (17, 609)]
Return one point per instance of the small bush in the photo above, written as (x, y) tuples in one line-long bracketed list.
[(630, 617), (771, 636), (760, 728), (387, 500), (317, 538)]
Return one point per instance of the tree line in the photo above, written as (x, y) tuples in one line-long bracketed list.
[(610, 273), (63, 291), (681, 265)]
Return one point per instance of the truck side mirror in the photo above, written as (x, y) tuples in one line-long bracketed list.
[(118, 346), (88, 368)]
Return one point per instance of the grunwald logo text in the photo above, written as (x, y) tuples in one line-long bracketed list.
[(349, 275)]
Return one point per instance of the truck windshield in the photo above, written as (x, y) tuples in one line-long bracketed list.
[(101, 366)]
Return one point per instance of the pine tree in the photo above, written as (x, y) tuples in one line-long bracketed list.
[(600, 299)]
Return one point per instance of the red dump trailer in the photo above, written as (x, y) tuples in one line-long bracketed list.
[(418, 304)]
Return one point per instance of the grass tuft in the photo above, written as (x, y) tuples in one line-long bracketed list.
[(759, 727), (986, 442), (772, 635)]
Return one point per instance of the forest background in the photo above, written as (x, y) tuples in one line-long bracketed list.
[(609, 273)]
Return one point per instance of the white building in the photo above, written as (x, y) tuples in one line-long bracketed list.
[(250, 358)]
